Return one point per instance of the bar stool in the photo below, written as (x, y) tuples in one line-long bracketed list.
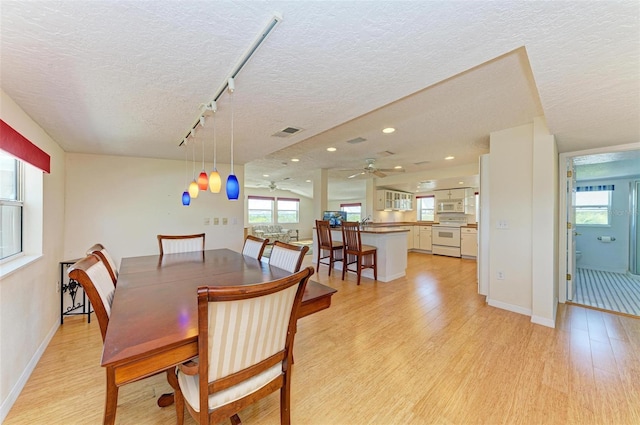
[(326, 247), (364, 256)]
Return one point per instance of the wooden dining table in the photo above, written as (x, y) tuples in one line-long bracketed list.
[(153, 324)]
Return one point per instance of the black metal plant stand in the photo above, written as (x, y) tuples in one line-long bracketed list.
[(70, 286)]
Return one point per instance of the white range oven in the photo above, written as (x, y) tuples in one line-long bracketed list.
[(445, 237)]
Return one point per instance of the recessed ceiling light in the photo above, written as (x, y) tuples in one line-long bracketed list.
[(331, 149), (460, 182), (308, 181), (388, 130), (265, 175), (295, 160), (449, 158), (397, 167)]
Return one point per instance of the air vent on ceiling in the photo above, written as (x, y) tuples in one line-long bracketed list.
[(289, 131), (421, 163), (356, 140), (385, 153)]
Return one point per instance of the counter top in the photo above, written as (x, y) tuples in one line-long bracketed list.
[(374, 229)]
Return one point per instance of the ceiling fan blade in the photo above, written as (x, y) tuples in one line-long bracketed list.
[(355, 175), (392, 170), (379, 173)]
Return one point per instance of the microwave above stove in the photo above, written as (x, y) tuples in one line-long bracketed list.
[(451, 206)]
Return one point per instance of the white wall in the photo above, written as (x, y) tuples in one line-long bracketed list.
[(523, 177), (307, 215), (29, 303), (612, 256), (124, 202), (544, 261), (511, 202)]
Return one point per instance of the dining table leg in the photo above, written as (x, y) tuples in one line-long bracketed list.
[(112, 398)]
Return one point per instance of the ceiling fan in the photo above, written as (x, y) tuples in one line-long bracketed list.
[(371, 169)]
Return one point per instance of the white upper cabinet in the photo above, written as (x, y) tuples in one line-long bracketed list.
[(394, 200), (448, 194)]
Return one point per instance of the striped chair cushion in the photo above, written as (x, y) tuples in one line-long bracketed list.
[(252, 248), (243, 333), (101, 279), (112, 263), (176, 246), (283, 258)]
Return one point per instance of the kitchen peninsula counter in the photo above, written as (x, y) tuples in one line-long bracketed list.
[(392, 250)]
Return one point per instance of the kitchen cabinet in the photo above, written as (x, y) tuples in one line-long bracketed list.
[(425, 238), (470, 201), (416, 237), (393, 200), (469, 242), (446, 195), (410, 234)]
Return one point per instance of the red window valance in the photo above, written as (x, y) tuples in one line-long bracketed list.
[(19, 146)]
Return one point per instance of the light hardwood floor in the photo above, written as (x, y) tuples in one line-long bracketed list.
[(424, 349)]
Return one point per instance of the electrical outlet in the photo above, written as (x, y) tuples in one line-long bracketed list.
[(500, 275)]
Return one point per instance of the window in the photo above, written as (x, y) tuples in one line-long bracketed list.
[(11, 203), (288, 210), (426, 208), (593, 206), (260, 209), (354, 211)]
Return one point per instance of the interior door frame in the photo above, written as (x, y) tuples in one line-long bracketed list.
[(563, 160)]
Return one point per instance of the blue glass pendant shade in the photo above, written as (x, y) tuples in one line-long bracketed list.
[(233, 187), (186, 199)]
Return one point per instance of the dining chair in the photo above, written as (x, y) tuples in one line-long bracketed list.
[(286, 256), (175, 244), (235, 369), (99, 250), (92, 273), (327, 248), (254, 246), (363, 256)]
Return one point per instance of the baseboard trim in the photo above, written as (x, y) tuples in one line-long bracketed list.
[(509, 307), (544, 321)]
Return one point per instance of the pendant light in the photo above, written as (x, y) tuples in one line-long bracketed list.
[(215, 183), (233, 187), (193, 187), (203, 179), (186, 198)]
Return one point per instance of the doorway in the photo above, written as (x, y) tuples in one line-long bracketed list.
[(600, 244)]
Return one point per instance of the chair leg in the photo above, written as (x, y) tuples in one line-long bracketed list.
[(330, 261), (235, 420), (359, 258), (285, 399), (344, 264), (375, 264)]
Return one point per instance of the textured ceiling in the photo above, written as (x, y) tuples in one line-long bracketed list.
[(129, 77)]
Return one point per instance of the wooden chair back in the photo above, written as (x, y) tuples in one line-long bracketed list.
[(252, 361), (351, 236), (323, 231), (254, 246), (175, 244), (99, 250), (286, 256), (91, 272)]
